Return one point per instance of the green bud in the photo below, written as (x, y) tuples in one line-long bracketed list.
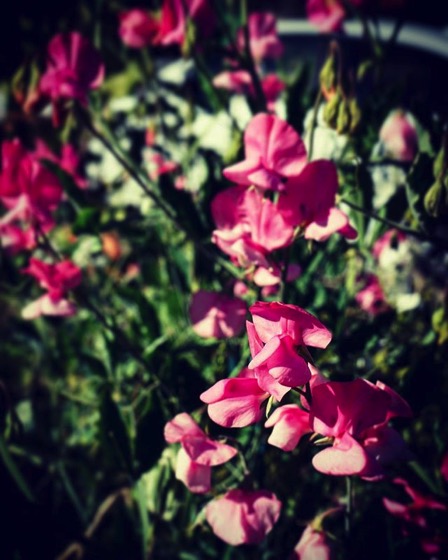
[(328, 75), (355, 113), (331, 110), (435, 199), (343, 121), (438, 163)]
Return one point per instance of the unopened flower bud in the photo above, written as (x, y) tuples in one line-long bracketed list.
[(331, 110), (344, 118), (328, 77), (436, 200)]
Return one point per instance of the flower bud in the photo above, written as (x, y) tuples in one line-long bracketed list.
[(436, 199), (331, 110)]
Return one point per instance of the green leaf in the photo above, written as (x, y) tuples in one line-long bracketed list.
[(13, 470)]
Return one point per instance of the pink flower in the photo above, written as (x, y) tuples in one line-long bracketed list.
[(356, 414), (274, 153), (74, 67), (173, 20), (216, 315), (68, 160), (371, 298), (309, 199), (243, 516), (57, 279), (235, 402), (137, 28), (417, 518), (290, 423), (399, 136), (197, 454), (328, 15), (160, 166), (313, 545), (263, 39), (391, 238), (249, 226), (277, 332), (15, 239)]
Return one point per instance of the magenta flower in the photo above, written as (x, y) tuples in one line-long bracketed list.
[(74, 67), (236, 402), (328, 15), (249, 226), (137, 28), (417, 518), (275, 336), (274, 153), (355, 414), (309, 199), (263, 39), (173, 20), (289, 423), (216, 315), (68, 160), (371, 298), (399, 136), (198, 453), (313, 545), (57, 279), (243, 516)]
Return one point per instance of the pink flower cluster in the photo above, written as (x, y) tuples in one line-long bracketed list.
[(263, 43), (249, 225), (139, 28)]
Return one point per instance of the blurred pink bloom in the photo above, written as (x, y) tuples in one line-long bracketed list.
[(57, 279), (249, 226), (68, 160), (240, 288), (271, 277), (198, 452), (277, 332), (263, 39), (417, 518), (313, 545), (399, 136), (240, 81), (217, 315), (371, 298), (243, 516), (235, 402), (137, 28), (290, 423), (15, 239), (274, 153), (356, 414), (328, 15), (173, 20), (309, 199), (29, 191), (159, 165), (74, 67), (391, 238)]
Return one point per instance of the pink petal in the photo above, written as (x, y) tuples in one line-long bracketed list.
[(197, 478), (207, 452), (346, 457), (290, 423), (180, 426)]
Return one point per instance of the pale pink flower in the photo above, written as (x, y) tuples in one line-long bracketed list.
[(263, 39), (371, 298), (355, 414), (243, 516), (57, 279), (217, 315), (198, 452), (328, 15), (309, 199), (74, 67), (277, 332), (274, 153), (236, 402), (137, 28), (399, 136), (289, 423), (313, 545)]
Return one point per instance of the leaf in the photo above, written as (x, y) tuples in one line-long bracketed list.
[(13, 470), (418, 181)]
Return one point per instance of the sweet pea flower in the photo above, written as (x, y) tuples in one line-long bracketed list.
[(74, 67), (198, 453), (69, 160), (236, 402), (417, 518), (399, 136), (57, 279), (137, 28), (249, 226), (274, 153), (243, 516), (355, 415), (328, 15), (371, 298), (263, 39), (313, 545), (173, 20), (308, 200), (289, 423), (278, 331), (217, 315)]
